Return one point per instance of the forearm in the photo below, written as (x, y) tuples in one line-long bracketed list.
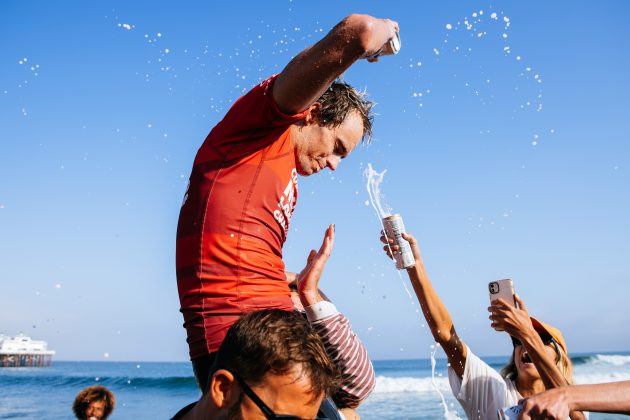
[(350, 357), (611, 397), (545, 364), (438, 318), (310, 73), (435, 312)]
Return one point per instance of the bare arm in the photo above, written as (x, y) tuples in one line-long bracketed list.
[(311, 72), (341, 343), (556, 403), (516, 322), (435, 313)]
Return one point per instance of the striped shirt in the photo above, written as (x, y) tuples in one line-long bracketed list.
[(346, 351)]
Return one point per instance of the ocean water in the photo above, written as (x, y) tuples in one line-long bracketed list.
[(148, 390)]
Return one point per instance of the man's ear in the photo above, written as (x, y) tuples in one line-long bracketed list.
[(224, 390), (313, 114)]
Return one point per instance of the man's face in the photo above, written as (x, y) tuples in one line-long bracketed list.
[(95, 410), (288, 394), (318, 147)]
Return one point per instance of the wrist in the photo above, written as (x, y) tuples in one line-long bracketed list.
[(531, 341), (309, 298), (568, 399)]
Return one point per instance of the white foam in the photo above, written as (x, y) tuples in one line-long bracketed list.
[(373, 186), (600, 377), (447, 413), (425, 385), (374, 180), (612, 359), (389, 385)]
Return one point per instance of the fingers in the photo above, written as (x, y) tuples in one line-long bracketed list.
[(497, 319), (502, 304), (498, 316), (392, 25), (409, 238), (497, 327), (529, 411), (390, 248), (310, 257), (385, 239), (291, 277), (328, 242), (415, 248), (525, 413)]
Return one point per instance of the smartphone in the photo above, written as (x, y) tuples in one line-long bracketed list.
[(502, 289)]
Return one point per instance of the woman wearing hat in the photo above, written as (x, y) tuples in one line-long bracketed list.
[(539, 361)]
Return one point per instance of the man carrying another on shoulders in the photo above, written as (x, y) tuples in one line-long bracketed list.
[(243, 186)]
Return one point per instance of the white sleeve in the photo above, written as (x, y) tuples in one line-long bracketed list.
[(482, 391)]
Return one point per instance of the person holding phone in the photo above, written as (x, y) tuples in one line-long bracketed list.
[(538, 362)]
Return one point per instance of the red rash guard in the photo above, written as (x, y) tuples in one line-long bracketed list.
[(235, 218)]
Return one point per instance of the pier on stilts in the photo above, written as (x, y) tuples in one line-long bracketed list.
[(22, 351)]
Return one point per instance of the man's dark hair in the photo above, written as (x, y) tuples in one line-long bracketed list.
[(339, 100), (275, 341), (93, 393)]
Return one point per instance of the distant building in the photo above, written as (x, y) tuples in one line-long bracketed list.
[(22, 351)]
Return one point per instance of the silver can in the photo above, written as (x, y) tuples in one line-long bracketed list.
[(394, 228), (391, 47)]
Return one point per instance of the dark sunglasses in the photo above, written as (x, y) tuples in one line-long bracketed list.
[(546, 339), (268, 412)]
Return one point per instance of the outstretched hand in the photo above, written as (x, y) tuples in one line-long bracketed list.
[(509, 318), (308, 279)]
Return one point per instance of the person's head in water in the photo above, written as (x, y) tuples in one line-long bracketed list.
[(271, 362), (520, 364), (332, 128), (94, 403)]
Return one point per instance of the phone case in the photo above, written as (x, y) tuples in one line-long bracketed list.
[(502, 289)]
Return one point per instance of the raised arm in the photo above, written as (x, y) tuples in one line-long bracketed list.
[(435, 313), (341, 343), (517, 322), (613, 397), (311, 72)]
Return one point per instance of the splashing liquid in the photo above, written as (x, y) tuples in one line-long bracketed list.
[(374, 180), (448, 415)]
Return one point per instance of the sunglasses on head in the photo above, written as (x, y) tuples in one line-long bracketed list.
[(546, 339), (268, 412)]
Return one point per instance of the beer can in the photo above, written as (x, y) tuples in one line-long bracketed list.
[(394, 228), (394, 44), (389, 48)]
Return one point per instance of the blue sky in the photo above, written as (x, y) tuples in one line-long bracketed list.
[(505, 140)]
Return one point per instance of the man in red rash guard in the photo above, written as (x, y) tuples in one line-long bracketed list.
[(243, 186)]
